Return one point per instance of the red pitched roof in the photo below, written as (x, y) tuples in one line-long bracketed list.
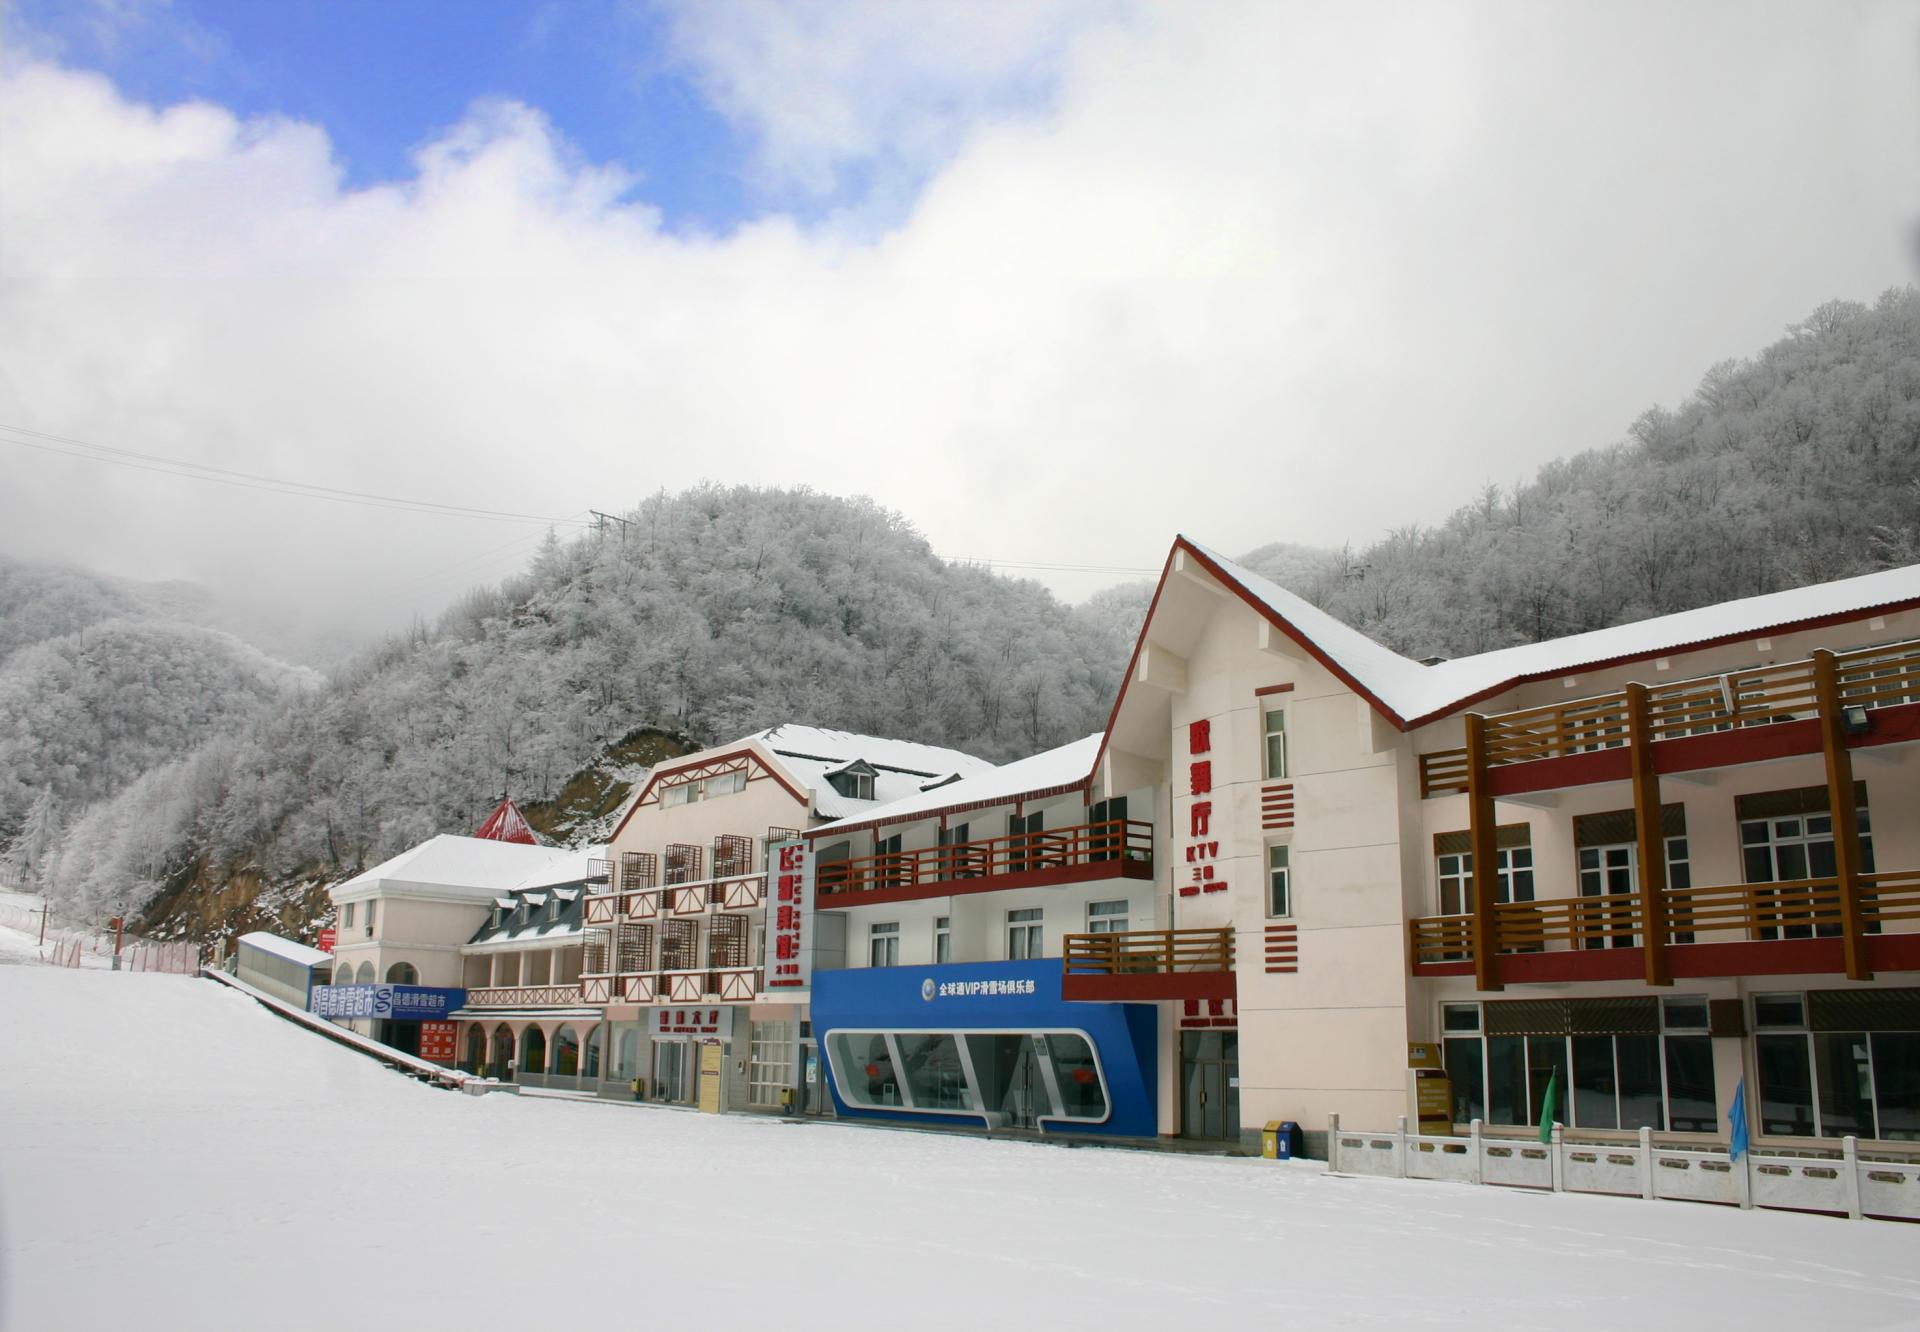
[(507, 824)]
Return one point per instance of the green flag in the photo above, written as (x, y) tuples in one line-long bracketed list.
[(1547, 1106)]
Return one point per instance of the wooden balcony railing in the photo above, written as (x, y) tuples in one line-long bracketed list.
[(523, 996), (1873, 677), (1749, 912), (600, 908), (1149, 952), (1124, 844)]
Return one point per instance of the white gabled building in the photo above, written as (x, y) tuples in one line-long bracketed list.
[(1297, 863)]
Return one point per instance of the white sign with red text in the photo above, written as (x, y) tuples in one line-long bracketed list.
[(789, 957), (703, 1022)]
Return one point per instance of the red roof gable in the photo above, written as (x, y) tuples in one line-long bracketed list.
[(507, 824)]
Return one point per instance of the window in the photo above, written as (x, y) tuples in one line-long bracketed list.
[(1787, 836), (1838, 1063), (1623, 1063), (958, 860), (346, 916), (1279, 882), (1107, 838), (680, 793), (726, 784), (854, 781), (371, 907), (402, 973), (883, 944), (1513, 868), (1106, 917), (1276, 743), (1023, 847), (1010, 1077), (1608, 862), (1023, 935), (942, 940)]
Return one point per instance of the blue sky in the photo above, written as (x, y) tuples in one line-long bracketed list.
[(384, 76)]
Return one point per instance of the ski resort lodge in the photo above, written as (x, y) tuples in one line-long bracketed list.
[(1297, 875)]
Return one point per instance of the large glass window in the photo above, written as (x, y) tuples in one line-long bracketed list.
[(1513, 868), (1024, 937), (883, 944), (1624, 1080), (1076, 1075), (1015, 1079), (935, 1077), (1819, 1083)]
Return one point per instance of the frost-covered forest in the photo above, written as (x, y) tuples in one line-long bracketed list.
[(717, 611)]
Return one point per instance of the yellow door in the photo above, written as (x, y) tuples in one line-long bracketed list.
[(713, 1062)]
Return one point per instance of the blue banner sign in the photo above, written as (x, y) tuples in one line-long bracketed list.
[(397, 1003)]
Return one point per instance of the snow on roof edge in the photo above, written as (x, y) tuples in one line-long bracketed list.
[(290, 949)]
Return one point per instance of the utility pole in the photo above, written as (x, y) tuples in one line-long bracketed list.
[(600, 521), (45, 907), (119, 924)]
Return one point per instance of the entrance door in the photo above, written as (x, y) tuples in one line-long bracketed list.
[(672, 1071), (1209, 1078), (713, 1066), (813, 1081)]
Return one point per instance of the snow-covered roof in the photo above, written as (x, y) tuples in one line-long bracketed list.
[(1049, 770), (286, 948), (1415, 693), (465, 866), (901, 767)]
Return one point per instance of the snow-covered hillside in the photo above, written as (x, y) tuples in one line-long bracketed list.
[(173, 1156)]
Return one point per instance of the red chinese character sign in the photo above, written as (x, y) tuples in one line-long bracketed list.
[(326, 940), (789, 960), (438, 1041), (1203, 851)]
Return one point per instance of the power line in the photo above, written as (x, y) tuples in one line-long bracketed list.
[(69, 447)]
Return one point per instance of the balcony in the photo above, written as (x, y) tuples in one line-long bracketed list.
[(1116, 849), (1786, 928), (1150, 964), (745, 893), (525, 996), (1712, 721)]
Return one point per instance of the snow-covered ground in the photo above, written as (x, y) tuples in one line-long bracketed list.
[(173, 1156)]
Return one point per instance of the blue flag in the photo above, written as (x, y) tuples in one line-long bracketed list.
[(1737, 1121)]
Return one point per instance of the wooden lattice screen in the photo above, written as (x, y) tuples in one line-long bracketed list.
[(634, 949), (680, 946), (638, 870), (595, 952), (683, 862), (727, 944), (732, 854)]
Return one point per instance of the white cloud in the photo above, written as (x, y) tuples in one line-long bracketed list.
[(884, 89), (1259, 273)]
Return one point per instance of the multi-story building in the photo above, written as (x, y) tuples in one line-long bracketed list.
[(409, 920), (653, 964), (1643, 863)]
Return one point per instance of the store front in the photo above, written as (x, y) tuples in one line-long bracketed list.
[(679, 1035), (991, 1044), (413, 1019)]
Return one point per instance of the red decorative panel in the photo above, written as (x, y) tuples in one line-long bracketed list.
[(1283, 949), (1276, 805), (1205, 1014), (438, 1041)]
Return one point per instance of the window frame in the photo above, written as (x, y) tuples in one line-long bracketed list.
[(883, 940), (1280, 876), (1268, 734)]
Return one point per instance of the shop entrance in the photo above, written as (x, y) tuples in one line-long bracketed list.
[(401, 1036), (813, 1079), (1210, 1084), (673, 1071)]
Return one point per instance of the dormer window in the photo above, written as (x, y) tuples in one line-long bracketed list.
[(855, 781)]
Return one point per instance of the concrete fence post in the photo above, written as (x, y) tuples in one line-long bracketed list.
[(1850, 1159), (1555, 1151), (1400, 1147), (1333, 1142), (1478, 1148), (1646, 1163)]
